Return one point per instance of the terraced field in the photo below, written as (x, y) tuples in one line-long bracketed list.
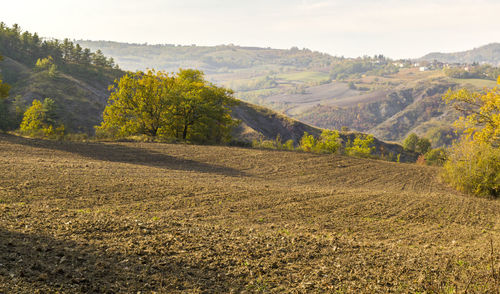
[(129, 217)]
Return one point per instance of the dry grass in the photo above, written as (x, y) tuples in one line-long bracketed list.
[(128, 217)]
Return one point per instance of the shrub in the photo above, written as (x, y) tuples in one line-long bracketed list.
[(289, 145), (474, 168), (362, 146), (436, 156), (328, 142), (474, 163), (273, 144), (307, 143), (421, 160), (423, 145)]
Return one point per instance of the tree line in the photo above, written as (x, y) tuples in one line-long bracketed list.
[(27, 48)]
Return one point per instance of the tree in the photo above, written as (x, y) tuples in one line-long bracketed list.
[(4, 107), (183, 106), (307, 142), (328, 142), (436, 156), (482, 113), (34, 118), (423, 145), (362, 146), (44, 63), (474, 162), (40, 120), (410, 143), (86, 56), (98, 59), (474, 167)]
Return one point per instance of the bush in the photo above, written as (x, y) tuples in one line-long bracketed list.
[(273, 144), (328, 142), (307, 143), (474, 168), (362, 146), (436, 156), (40, 120), (289, 145), (423, 145)]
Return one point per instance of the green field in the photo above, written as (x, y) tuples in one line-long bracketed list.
[(478, 83)]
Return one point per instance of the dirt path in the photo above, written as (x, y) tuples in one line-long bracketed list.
[(128, 217)]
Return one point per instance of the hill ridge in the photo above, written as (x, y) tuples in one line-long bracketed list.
[(489, 53)]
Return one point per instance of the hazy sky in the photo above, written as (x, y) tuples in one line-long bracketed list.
[(402, 28)]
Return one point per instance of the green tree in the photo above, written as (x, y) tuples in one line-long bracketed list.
[(410, 143), (40, 120), (182, 106), (362, 146), (307, 142), (423, 145), (328, 142), (99, 59), (436, 156), (19, 109), (4, 105)]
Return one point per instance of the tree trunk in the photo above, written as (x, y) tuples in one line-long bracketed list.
[(184, 132)]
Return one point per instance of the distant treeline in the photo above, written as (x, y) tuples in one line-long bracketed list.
[(474, 71), (27, 48), (355, 67)]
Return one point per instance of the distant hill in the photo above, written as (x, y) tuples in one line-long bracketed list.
[(306, 90), (309, 86), (79, 85), (485, 54), (210, 59), (81, 103)]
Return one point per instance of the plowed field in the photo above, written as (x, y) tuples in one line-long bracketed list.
[(129, 217)]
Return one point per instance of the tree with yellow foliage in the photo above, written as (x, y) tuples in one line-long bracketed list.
[(482, 113), (474, 162), (39, 120), (183, 106)]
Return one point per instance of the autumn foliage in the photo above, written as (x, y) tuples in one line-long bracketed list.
[(180, 106), (474, 162)]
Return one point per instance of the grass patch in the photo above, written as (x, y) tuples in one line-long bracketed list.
[(306, 76)]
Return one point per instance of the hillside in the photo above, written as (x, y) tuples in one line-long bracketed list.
[(262, 123), (74, 77), (126, 217), (371, 94), (79, 84), (211, 59), (485, 54), (80, 101), (80, 78)]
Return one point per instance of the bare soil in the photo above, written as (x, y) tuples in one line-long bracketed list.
[(129, 217)]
